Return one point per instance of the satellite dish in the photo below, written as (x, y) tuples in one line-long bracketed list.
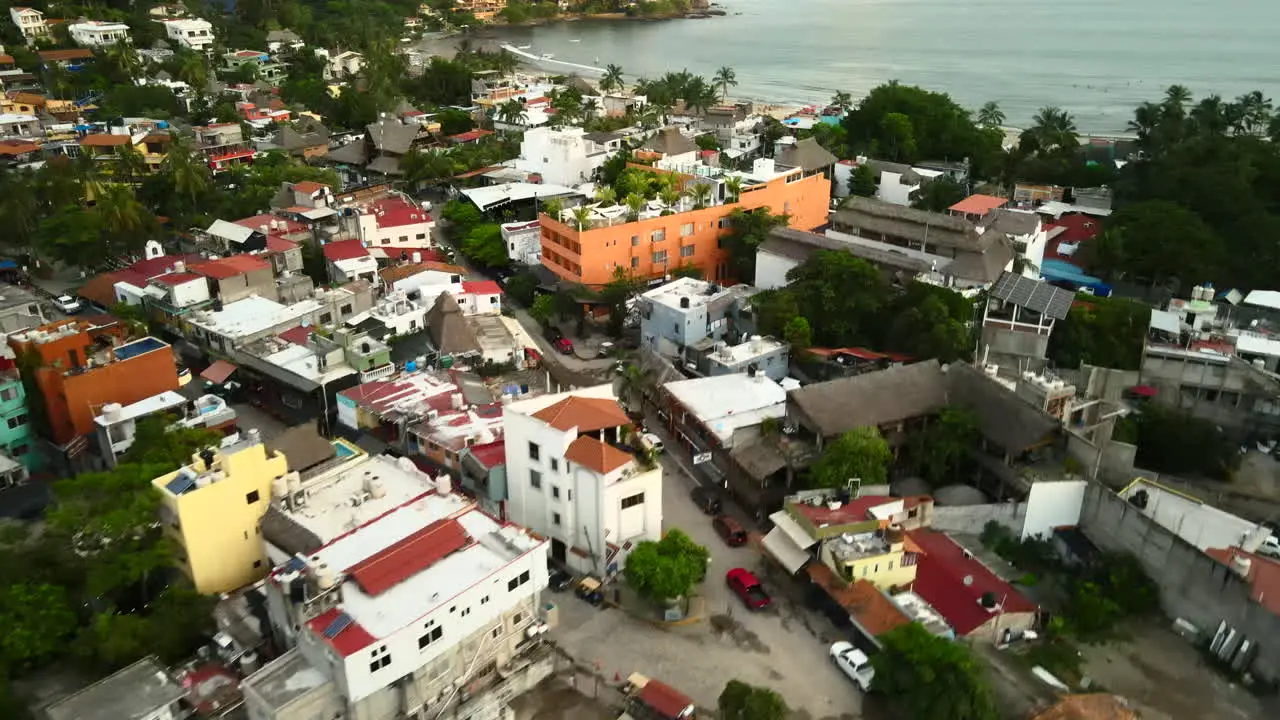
[(968, 580)]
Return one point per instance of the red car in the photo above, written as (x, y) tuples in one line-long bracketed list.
[(746, 586), (564, 346)]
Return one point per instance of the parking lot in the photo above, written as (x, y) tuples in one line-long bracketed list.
[(784, 647)]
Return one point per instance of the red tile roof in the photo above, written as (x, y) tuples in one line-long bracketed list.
[(412, 555), (592, 454), (345, 250), (175, 278), (257, 221), (481, 287), (61, 55), (308, 187), (469, 136), (17, 147), (869, 607), (275, 243), (298, 335), (855, 511), (6, 59), (1264, 575), (492, 454), (395, 211), (978, 204), (664, 700), (349, 641), (584, 413), (229, 267), (941, 575), (1077, 229)]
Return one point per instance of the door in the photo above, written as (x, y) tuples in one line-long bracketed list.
[(558, 550)]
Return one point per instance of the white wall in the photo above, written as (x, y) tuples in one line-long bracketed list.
[(893, 190), (479, 303), (430, 283), (771, 270), (412, 235), (190, 293), (1051, 505), (562, 157), (523, 240)]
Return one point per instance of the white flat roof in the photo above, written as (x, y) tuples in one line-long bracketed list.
[(486, 197), (251, 315), (1263, 298), (743, 351), (1190, 519), (1257, 344), (699, 292), (381, 615), (727, 402), (302, 361), (1057, 209), (146, 406), (328, 512), (1166, 321)]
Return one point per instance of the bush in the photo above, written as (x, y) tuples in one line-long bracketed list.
[(668, 568)]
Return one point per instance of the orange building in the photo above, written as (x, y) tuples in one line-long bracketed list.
[(85, 366), (653, 247)]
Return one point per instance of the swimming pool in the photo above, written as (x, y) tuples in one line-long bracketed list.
[(139, 347)]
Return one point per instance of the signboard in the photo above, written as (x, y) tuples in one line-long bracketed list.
[(700, 458)]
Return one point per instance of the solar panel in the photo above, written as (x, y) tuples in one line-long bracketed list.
[(1033, 295), (181, 484), (295, 564), (340, 623)]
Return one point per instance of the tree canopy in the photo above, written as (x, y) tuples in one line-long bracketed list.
[(860, 454), (1105, 332), (668, 568), (930, 677), (740, 701)]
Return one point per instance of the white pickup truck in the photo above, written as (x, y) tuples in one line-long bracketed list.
[(854, 663)]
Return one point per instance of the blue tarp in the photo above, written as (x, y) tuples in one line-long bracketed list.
[(8, 265)]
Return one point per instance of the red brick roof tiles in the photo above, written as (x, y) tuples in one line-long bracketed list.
[(586, 414), (941, 576)]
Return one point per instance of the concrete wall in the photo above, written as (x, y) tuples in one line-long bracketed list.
[(1192, 585), (1052, 504), (1104, 383), (972, 518)]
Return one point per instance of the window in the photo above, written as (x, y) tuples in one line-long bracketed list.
[(326, 318), (686, 251), (496, 632), (465, 612), (864, 571), (17, 421), (555, 465), (658, 236), (635, 240), (515, 619), (257, 564), (20, 449), (484, 599), (660, 256), (634, 500), (422, 236), (251, 497), (555, 491), (535, 479), (413, 325), (635, 262), (518, 580), (404, 238), (570, 496), (380, 659), (723, 223), (345, 309), (533, 451), (890, 566), (686, 230), (8, 394), (386, 241), (555, 519)]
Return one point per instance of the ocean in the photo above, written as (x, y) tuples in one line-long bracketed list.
[(1095, 58)]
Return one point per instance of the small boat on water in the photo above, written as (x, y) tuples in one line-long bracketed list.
[(523, 47), (576, 40), (548, 56)]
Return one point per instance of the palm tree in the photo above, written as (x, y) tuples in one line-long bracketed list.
[(130, 166), (19, 205), (990, 115), (699, 193), (633, 383), (193, 70), (122, 216), (635, 202), (122, 57), (670, 198), (186, 171), (88, 175), (589, 109), (1054, 129), (734, 186), (1255, 112), (612, 79), (842, 100), (1210, 116), (699, 95), (506, 63), (607, 196), (511, 112), (582, 217), (553, 207), (725, 77), (1146, 120), (427, 166), (1176, 98)]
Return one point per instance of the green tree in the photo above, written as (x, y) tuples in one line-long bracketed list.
[(899, 137), (1172, 441), (928, 321), (1158, 240), (668, 568), (842, 297), (798, 334), (543, 309), (156, 441), (990, 115), (1106, 332), (938, 194), (931, 678), (740, 701), (687, 270), (511, 112), (939, 128), (859, 454), (484, 246), (725, 77), (612, 79), (747, 230), (1052, 130), (615, 295), (38, 618), (938, 452), (522, 287), (843, 101), (862, 181)]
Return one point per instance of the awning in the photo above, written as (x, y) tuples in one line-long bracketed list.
[(798, 535), (785, 551), (218, 372)]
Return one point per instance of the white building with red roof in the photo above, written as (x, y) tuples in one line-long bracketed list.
[(393, 223), (349, 260), (395, 593), (480, 297), (572, 478)]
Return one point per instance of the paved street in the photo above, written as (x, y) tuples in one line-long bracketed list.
[(784, 648)]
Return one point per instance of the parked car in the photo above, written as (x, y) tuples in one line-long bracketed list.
[(707, 499), (564, 346), (606, 349), (552, 333), (589, 589), (745, 585), (67, 304), (184, 376), (652, 442), (559, 580), (730, 530), (1270, 547), (854, 663)]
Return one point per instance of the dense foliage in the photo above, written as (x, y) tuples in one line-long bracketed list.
[(740, 701), (1171, 441), (668, 568), (939, 452), (1104, 332), (860, 455), (928, 677)]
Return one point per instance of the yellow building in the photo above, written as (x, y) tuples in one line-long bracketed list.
[(880, 557), (212, 508)]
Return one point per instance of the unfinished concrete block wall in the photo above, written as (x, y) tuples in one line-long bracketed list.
[(1193, 586), (971, 519)]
